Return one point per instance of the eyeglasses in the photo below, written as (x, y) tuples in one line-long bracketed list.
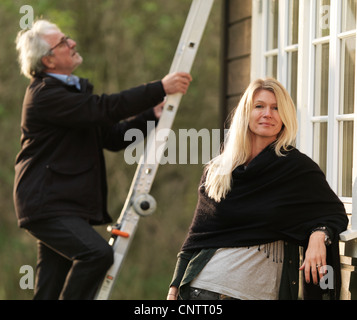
[(64, 40)]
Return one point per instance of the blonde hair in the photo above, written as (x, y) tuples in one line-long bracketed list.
[(237, 146), (32, 47)]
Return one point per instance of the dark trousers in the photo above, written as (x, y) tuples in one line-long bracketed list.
[(201, 294), (72, 258)]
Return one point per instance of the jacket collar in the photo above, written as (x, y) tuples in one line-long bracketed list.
[(86, 86)]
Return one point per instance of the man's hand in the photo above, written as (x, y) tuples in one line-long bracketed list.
[(177, 82), (158, 109)]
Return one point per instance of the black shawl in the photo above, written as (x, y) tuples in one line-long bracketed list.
[(274, 198)]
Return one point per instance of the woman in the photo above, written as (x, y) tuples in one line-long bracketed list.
[(259, 200)]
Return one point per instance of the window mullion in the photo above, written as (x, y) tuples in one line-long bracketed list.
[(258, 40), (334, 96), (309, 13), (354, 170), (302, 96), (265, 34), (283, 41)]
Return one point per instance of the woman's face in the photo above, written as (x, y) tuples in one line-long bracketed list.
[(265, 122)]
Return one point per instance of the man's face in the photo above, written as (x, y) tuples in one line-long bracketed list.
[(64, 59)]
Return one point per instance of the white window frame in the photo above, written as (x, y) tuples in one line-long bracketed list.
[(305, 80)]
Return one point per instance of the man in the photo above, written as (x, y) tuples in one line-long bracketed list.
[(60, 185)]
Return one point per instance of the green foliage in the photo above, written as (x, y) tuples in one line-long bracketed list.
[(124, 43)]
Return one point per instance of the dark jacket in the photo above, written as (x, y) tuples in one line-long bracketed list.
[(60, 169)]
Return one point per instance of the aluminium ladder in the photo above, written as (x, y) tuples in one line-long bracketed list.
[(139, 202)]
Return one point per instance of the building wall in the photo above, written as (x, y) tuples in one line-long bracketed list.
[(237, 16), (236, 75)]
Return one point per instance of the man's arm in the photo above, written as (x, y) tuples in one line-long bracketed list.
[(60, 106)]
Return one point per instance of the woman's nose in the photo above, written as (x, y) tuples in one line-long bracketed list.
[(267, 113)]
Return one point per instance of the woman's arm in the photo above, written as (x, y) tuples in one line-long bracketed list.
[(183, 259), (172, 294), (315, 257)]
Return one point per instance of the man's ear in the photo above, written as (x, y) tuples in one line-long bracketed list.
[(48, 62)]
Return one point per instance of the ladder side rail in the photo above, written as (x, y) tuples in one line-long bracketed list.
[(183, 61), (149, 161)]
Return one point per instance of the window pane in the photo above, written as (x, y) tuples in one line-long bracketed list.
[(294, 22), (321, 79), (293, 71), (320, 145), (346, 159), (349, 15), (273, 21), (348, 75), (272, 66), (322, 18)]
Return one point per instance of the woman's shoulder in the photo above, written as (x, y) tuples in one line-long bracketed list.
[(299, 159)]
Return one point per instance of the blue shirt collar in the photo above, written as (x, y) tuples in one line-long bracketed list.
[(71, 80)]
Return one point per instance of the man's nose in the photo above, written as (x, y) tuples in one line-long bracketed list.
[(72, 43)]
